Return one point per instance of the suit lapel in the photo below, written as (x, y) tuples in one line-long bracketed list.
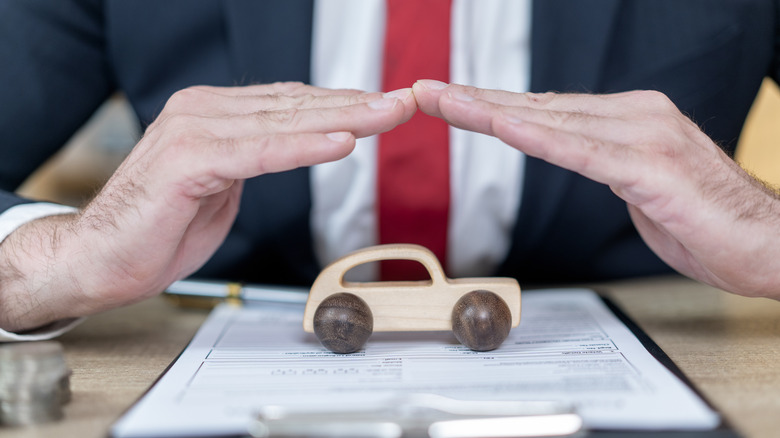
[(569, 44)]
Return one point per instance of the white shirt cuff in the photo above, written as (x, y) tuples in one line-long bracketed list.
[(19, 215), (47, 332), (12, 219)]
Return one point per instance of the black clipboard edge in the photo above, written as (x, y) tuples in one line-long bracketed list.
[(724, 430)]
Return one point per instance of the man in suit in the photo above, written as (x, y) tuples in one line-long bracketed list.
[(170, 206)]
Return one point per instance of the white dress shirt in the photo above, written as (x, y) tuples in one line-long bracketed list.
[(490, 48)]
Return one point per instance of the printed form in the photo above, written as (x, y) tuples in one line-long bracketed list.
[(569, 347)]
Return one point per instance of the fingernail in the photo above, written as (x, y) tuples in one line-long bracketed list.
[(432, 84), (385, 103), (338, 136), (459, 95), (401, 94)]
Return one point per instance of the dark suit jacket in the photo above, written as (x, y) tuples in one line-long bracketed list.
[(61, 59)]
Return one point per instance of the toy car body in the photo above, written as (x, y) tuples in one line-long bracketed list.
[(406, 305)]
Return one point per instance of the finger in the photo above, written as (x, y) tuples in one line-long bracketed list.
[(361, 119), (273, 102), (277, 153), (285, 88), (603, 161), (205, 101), (429, 94), (225, 160), (250, 104), (477, 115)]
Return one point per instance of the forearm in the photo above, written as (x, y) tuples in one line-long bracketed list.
[(37, 284)]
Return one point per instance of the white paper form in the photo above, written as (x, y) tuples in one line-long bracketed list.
[(569, 347)]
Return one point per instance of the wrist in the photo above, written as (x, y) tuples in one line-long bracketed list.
[(36, 283)]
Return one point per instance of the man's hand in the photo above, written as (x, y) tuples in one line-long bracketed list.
[(693, 205), (171, 203)]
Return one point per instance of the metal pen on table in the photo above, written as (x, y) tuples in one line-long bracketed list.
[(205, 294)]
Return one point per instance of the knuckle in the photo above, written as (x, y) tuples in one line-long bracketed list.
[(286, 87), (542, 98), (666, 126), (357, 99), (281, 101), (185, 99), (304, 101), (271, 119), (566, 117), (180, 133), (477, 93), (178, 123), (559, 117), (591, 146), (665, 152), (273, 155), (224, 146), (272, 101), (655, 99), (662, 135)]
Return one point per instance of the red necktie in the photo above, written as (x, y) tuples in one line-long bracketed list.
[(413, 174)]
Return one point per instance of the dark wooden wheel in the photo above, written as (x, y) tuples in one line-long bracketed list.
[(481, 320), (343, 322)]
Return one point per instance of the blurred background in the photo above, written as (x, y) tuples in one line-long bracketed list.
[(80, 169)]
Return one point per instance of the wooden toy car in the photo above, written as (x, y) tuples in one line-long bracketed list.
[(480, 311)]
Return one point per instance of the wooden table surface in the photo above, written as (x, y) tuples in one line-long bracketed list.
[(727, 345)]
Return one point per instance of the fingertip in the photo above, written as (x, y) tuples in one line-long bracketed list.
[(409, 111), (427, 93), (428, 90), (401, 94), (407, 99), (430, 84)]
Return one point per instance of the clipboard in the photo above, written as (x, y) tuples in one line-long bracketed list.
[(723, 429)]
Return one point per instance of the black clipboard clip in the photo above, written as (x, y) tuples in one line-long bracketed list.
[(422, 415)]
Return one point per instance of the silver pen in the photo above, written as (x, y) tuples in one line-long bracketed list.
[(203, 293)]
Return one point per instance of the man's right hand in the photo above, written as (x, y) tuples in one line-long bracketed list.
[(172, 201)]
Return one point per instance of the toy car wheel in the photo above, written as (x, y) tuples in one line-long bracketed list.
[(481, 320), (343, 322)]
